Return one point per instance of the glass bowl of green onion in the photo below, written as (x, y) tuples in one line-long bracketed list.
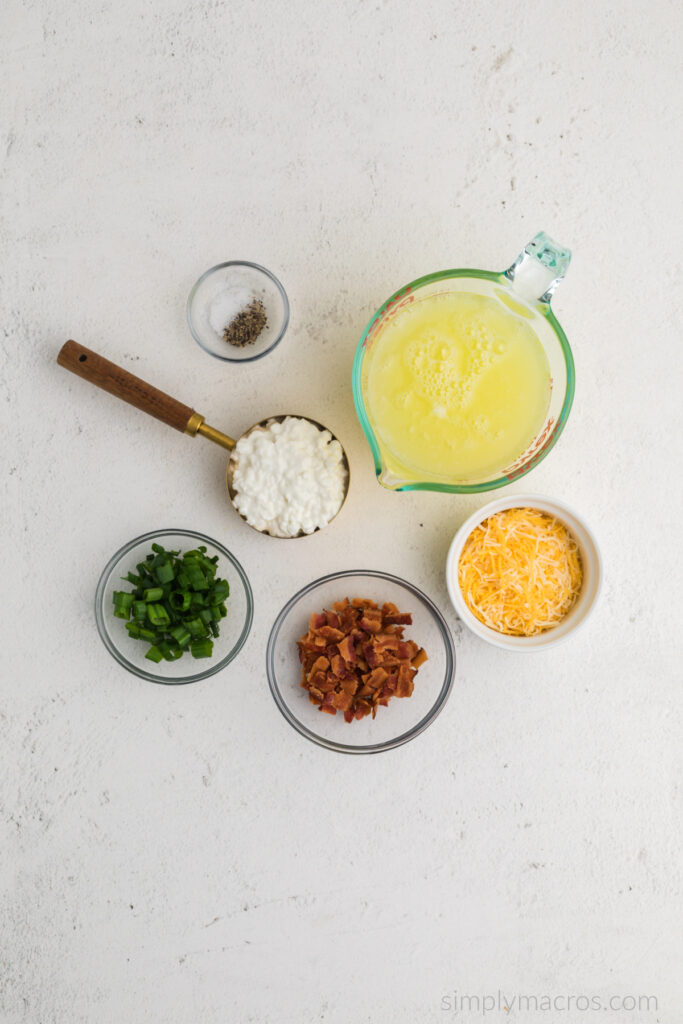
[(173, 606)]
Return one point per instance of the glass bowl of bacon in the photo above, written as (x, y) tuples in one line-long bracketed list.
[(360, 661)]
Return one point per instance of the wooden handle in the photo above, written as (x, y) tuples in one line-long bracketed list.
[(118, 382)]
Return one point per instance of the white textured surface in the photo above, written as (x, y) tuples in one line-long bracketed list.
[(182, 856)]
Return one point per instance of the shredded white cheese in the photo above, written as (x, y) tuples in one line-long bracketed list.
[(289, 477)]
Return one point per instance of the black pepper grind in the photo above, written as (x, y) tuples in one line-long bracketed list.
[(245, 328)]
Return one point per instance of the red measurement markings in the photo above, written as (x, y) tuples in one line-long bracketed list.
[(543, 442)]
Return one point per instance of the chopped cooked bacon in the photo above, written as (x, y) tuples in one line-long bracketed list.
[(317, 679), (320, 664), (371, 621), (349, 618), (419, 658), (375, 678), (317, 621), (387, 641), (338, 665), (347, 649), (407, 649), (404, 686), (328, 704), (371, 656), (363, 708), (354, 658), (330, 634), (330, 684), (342, 700)]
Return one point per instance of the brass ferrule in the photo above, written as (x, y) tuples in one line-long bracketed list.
[(194, 423), (214, 435)]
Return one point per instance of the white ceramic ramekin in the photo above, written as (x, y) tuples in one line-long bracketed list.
[(590, 558)]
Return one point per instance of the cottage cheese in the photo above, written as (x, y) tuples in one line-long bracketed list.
[(289, 477)]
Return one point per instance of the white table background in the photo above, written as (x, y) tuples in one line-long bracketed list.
[(182, 856)]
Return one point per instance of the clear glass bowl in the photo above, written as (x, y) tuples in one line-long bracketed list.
[(219, 294), (402, 719), (234, 628), (525, 290)]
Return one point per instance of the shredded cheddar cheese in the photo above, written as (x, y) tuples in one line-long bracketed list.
[(520, 571)]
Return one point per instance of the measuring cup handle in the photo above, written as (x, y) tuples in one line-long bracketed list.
[(539, 268), (119, 382)]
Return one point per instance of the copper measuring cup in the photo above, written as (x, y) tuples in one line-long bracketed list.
[(124, 385)]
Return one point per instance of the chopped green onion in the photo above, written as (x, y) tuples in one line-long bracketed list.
[(201, 648), (140, 610), (180, 600), (122, 604), (196, 627), (181, 635), (158, 615), (165, 572), (176, 603), (198, 580), (170, 652), (221, 590)]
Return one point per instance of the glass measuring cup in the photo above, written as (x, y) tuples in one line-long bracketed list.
[(525, 290)]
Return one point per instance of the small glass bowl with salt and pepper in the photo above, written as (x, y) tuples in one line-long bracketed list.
[(238, 311)]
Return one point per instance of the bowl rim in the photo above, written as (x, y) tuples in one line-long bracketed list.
[(254, 266), (141, 671), (580, 612), (369, 748)]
